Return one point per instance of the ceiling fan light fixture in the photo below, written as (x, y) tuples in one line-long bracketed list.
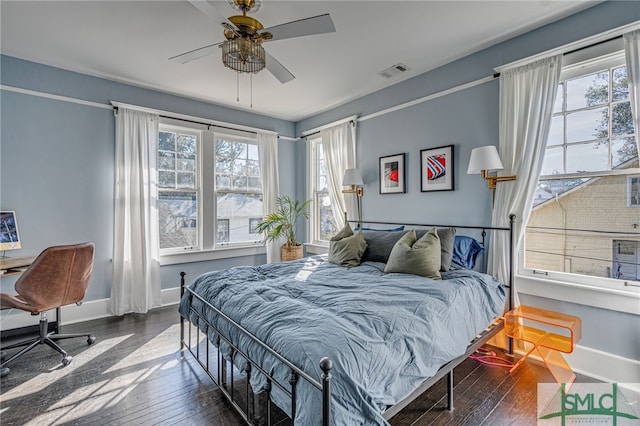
[(243, 55)]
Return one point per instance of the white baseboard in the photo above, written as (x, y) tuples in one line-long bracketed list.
[(94, 309), (602, 366)]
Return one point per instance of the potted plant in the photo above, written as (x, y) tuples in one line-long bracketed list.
[(281, 224)]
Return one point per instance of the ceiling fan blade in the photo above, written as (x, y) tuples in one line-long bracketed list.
[(192, 55), (316, 25), (277, 69), (209, 10)]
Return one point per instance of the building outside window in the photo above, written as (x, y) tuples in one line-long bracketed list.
[(584, 203)]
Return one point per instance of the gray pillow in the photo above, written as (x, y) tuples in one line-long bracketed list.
[(346, 248), (447, 240), (379, 245), (416, 256)]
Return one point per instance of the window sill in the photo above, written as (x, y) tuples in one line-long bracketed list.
[(598, 297), (205, 255), (315, 248)]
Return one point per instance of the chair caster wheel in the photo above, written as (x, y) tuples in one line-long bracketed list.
[(4, 371), (91, 339), (66, 360)]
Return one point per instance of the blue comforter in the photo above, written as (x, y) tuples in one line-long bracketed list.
[(385, 333)]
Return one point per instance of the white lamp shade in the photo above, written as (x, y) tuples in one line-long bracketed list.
[(352, 177), (484, 158)]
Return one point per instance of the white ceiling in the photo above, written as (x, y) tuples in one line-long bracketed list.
[(131, 41)]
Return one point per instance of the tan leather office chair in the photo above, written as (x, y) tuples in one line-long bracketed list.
[(59, 276)]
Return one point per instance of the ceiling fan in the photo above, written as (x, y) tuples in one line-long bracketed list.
[(242, 50)]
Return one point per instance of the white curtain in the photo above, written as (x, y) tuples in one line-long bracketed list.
[(268, 152), (339, 146), (632, 55), (136, 265), (527, 95)]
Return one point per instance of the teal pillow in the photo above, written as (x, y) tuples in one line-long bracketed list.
[(346, 248), (416, 256)]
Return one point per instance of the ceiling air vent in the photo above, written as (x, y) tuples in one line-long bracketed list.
[(393, 71)]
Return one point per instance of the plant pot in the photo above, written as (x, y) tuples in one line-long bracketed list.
[(288, 252)]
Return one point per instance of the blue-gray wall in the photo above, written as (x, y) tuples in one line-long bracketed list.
[(57, 162), (468, 119)]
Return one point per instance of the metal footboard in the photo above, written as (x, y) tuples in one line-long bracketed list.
[(256, 410)]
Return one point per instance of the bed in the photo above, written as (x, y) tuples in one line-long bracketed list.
[(326, 344)]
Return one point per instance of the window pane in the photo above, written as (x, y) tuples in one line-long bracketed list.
[(589, 90), (556, 131), (253, 168), (622, 121), (166, 179), (178, 219), (588, 125), (167, 141), (238, 210), (623, 150), (240, 167), (620, 84), (166, 160), (186, 180), (223, 182), (327, 223), (553, 162), (186, 144), (574, 232), (239, 183), (186, 162), (252, 152), (587, 157)]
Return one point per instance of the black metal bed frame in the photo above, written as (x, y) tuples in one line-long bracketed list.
[(258, 410)]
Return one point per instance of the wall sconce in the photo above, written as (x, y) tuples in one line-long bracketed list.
[(353, 179), (485, 159)]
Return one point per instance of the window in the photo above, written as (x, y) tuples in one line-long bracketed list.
[(253, 224), (323, 225), (238, 189), (633, 191), (209, 189), (588, 181), (178, 188)]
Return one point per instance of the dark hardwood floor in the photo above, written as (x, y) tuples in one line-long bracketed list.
[(134, 374)]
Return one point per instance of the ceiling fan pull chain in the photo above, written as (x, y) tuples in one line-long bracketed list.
[(251, 91), (238, 87)]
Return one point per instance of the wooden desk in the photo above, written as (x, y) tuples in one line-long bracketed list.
[(14, 265), (549, 333)]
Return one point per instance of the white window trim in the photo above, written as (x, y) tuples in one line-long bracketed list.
[(313, 246), (605, 293), (208, 249)]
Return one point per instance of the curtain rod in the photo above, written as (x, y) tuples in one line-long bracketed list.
[(592, 45), (192, 119), (115, 111), (306, 135)]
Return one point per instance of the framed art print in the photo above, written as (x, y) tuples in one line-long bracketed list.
[(436, 169), (392, 174)]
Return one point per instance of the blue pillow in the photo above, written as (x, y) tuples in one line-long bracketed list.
[(466, 251)]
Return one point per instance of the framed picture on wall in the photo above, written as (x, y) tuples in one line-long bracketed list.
[(392, 174), (436, 169)]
